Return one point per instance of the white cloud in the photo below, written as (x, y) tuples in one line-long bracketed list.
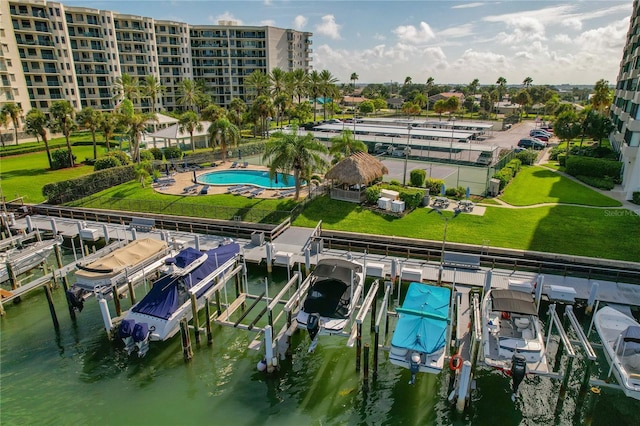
[(329, 27), (411, 34), (464, 30), (299, 22), (379, 37), (268, 2), (562, 38), (467, 5), (226, 16), (573, 23)]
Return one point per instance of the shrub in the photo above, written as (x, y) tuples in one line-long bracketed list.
[(636, 198), (395, 182), (172, 152), (417, 177), (562, 160), (528, 157), (122, 156), (594, 167), (106, 163), (602, 183), (515, 165), (504, 176), (412, 198), (434, 185), (554, 152), (458, 192), (146, 155), (372, 193), (74, 189), (157, 153), (60, 159)]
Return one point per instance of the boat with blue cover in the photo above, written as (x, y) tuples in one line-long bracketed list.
[(157, 316), (419, 339)]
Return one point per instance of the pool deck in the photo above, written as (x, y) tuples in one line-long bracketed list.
[(185, 179)]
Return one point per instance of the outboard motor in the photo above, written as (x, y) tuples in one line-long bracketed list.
[(414, 366), (75, 298), (125, 331), (141, 338), (313, 325), (518, 371)]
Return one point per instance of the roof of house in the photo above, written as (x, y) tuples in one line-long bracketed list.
[(173, 132), (358, 168), (353, 99)]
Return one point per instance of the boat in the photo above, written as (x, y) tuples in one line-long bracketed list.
[(156, 317), (620, 336), (419, 339), (24, 258), (512, 337), (334, 287), (117, 265)]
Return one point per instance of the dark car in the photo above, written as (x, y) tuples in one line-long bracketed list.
[(540, 136), (531, 143)]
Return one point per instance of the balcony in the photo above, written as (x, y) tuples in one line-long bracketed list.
[(53, 83), (55, 96)]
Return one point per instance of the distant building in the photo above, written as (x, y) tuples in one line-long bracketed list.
[(625, 113)]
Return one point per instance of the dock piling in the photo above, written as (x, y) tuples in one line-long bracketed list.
[(272, 361), (187, 352), (196, 322), (365, 372), (105, 231), (52, 309), (116, 300), (592, 297), (132, 294), (358, 346), (463, 388), (106, 316), (208, 322)]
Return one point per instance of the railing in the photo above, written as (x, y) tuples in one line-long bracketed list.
[(345, 195)]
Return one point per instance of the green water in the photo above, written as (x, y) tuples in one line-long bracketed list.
[(79, 377)]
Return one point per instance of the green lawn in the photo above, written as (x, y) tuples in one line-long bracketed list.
[(560, 229), (536, 185)]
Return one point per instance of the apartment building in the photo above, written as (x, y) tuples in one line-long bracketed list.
[(49, 51), (625, 111)]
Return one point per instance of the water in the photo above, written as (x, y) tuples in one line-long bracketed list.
[(79, 377), (247, 177)]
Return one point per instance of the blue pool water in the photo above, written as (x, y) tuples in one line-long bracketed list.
[(248, 177)]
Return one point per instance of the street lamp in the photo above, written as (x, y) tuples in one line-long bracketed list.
[(453, 128), (406, 155), (444, 239)]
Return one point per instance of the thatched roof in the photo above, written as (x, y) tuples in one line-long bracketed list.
[(359, 168)]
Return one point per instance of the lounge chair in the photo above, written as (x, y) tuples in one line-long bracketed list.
[(245, 165), (244, 190), (286, 193), (204, 190), (232, 189), (234, 165), (256, 192)]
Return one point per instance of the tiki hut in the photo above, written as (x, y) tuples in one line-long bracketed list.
[(351, 176)]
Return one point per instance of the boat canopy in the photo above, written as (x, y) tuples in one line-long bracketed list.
[(631, 334), (185, 258), (513, 301), (330, 293), (130, 255), (423, 318), (169, 292)]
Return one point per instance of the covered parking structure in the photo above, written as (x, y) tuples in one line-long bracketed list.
[(398, 131)]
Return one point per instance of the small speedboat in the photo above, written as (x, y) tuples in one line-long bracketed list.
[(419, 339), (335, 286), (512, 337), (620, 336), (25, 258), (157, 316)]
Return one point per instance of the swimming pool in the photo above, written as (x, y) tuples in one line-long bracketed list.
[(258, 178)]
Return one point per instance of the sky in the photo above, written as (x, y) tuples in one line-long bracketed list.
[(553, 42)]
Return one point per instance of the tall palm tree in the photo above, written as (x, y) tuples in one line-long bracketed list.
[(238, 107), (327, 84), (62, 113), (354, 77), (263, 108), (346, 144), (188, 93), (408, 80), (212, 112), (291, 152), (127, 87), (223, 133), (427, 88), (137, 123), (4, 122), (601, 99), (36, 123), (314, 86), (300, 79), (258, 82), (502, 87), (13, 111), (277, 79), (107, 124), (188, 122), (89, 118), (281, 102), (527, 82), (153, 89)]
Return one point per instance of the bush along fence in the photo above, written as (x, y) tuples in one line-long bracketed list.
[(598, 172), (508, 172), (74, 189), (207, 211)]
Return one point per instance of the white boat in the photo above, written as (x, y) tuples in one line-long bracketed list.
[(620, 336), (334, 287), (26, 258), (419, 339), (512, 335), (117, 265), (157, 316)]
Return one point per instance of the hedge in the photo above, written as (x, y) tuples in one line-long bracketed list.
[(593, 167), (601, 183), (417, 177), (74, 189), (636, 198), (528, 157)]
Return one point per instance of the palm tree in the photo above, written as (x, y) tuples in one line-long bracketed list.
[(291, 152), (346, 144), (224, 133), (601, 99), (107, 124), (527, 82), (127, 87), (523, 99), (4, 122), (13, 111), (89, 118), (300, 79), (62, 113), (411, 109), (440, 107), (137, 123), (189, 93), (408, 80), (36, 123), (212, 112), (314, 85), (473, 86), (238, 107), (189, 123), (327, 83), (428, 87), (277, 79), (281, 102), (354, 77), (502, 87), (263, 108), (153, 89), (258, 82)]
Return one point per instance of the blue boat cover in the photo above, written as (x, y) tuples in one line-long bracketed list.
[(169, 292), (185, 258), (423, 319)]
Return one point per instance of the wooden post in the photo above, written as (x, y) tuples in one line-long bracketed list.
[(132, 294), (236, 280), (563, 387), (187, 353), (208, 322), (65, 287), (196, 322), (376, 342), (52, 309), (116, 300), (365, 378), (218, 302), (374, 308), (358, 346), (12, 276), (585, 381)]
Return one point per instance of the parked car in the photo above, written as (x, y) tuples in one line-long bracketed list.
[(531, 143), (540, 136), (334, 121), (535, 132)]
